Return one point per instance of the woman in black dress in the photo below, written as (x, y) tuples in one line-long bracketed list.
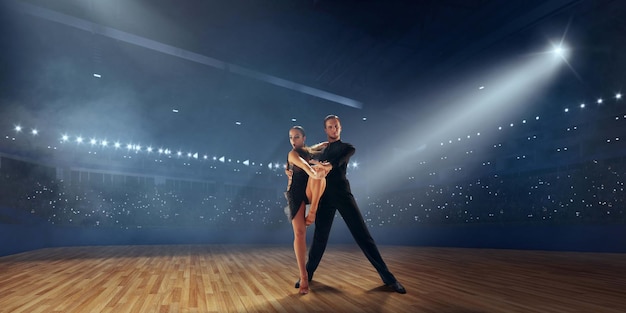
[(306, 185)]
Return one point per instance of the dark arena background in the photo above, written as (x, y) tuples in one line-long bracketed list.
[(143, 147)]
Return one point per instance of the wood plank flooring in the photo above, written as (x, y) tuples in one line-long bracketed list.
[(241, 278)]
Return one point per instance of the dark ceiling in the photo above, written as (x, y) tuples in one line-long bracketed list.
[(239, 71)]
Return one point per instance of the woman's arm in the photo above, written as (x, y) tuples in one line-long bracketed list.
[(317, 149), (298, 161)]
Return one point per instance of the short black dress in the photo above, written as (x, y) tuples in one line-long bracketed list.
[(296, 191)]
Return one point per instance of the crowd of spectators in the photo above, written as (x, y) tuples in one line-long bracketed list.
[(587, 193)]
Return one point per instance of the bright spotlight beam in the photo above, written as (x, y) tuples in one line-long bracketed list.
[(510, 89), (181, 53)]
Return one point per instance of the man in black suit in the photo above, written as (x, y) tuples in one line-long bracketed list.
[(338, 196)]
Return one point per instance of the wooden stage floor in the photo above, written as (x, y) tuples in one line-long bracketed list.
[(241, 278)]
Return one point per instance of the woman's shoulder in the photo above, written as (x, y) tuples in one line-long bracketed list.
[(301, 152)]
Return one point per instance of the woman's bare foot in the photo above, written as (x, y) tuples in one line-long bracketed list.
[(304, 286)]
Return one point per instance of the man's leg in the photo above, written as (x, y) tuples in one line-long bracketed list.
[(354, 220)]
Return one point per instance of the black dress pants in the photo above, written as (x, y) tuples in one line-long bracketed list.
[(347, 207)]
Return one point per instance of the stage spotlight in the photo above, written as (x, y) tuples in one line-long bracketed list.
[(18, 128), (559, 51), (79, 139), (618, 96), (34, 132), (93, 141)]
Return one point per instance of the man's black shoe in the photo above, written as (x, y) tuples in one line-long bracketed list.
[(397, 287)]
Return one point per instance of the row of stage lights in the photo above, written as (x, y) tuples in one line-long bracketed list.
[(137, 148), (599, 101), (161, 151)]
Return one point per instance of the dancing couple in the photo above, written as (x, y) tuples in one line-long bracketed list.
[(317, 175)]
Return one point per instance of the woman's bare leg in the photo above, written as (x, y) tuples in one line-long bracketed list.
[(299, 247), (314, 191)]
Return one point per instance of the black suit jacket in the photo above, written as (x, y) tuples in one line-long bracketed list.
[(338, 154)]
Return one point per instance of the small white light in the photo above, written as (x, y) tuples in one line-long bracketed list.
[(96, 75), (618, 96)]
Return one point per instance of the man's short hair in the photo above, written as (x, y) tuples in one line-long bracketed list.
[(330, 117)]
